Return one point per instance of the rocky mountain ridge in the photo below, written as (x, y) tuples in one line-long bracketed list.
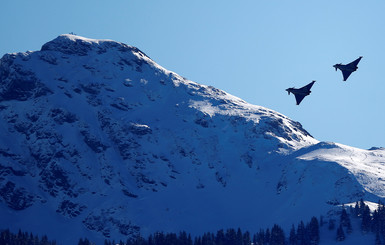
[(100, 141)]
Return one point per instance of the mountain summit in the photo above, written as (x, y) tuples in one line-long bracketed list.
[(98, 140)]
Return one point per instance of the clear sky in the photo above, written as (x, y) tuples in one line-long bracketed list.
[(253, 49)]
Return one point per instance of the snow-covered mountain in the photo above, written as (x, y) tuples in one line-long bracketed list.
[(98, 140)]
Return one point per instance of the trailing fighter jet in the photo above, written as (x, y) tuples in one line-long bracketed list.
[(349, 68), (300, 93)]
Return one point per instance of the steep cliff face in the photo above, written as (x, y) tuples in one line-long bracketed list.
[(99, 140)]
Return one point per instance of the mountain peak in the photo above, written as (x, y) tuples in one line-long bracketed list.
[(76, 38), (77, 45)]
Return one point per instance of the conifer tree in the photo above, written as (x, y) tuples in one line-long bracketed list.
[(183, 239), (357, 209), (381, 219), (206, 239), (301, 237), (198, 240), (150, 240), (220, 238), (139, 241), (159, 238), (340, 233), (277, 236), (81, 242), (313, 231), (259, 238), (189, 240), (230, 237), (344, 217), (171, 238), (246, 238), (107, 242), (366, 219), (361, 207), (44, 240), (345, 221), (267, 236), (292, 236), (239, 237)]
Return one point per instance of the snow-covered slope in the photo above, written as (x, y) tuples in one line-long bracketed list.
[(98, 140), (366, 166)]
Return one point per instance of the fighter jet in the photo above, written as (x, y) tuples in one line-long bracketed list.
[(300, 93), (349, 68)]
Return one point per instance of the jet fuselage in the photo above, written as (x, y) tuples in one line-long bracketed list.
[(300, 91), (345, 67)]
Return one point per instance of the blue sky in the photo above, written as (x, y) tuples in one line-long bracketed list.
[(252, 49)]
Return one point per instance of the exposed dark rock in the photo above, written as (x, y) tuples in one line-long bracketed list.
[(200, 186), (119, 134), (48, 143), (62, 79), (103, 221), (124, 62), (6, 153), (62, 116), (33, 117), (129, 194), (48, 57), (15, 197), (221, 179), (247, 159), (23, 127), (202, 122), (144, 179), (282, 185), (70, 209), (54, 180), (8, 170), (92, 88), (97, 223), (121, 105), (21, 85), (95, 144), (77, 90), (67, 46)]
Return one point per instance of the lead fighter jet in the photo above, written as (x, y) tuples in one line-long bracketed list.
[(300, 93), (349, 68)]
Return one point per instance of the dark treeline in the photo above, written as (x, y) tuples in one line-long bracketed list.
[(302, 234), (23, 238), (371, 222)]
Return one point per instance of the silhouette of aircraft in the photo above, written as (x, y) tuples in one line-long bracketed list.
[(349, 68), (300, 93)]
